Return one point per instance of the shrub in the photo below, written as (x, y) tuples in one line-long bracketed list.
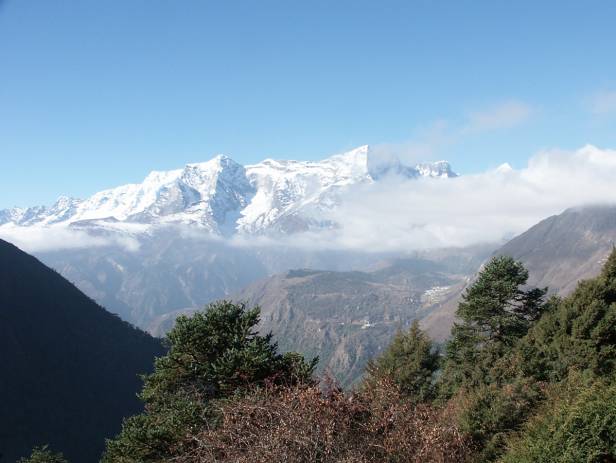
[(214, 354), (489, 413), (305, 424)]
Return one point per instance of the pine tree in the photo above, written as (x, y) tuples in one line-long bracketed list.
[(494, 314), (410, 361)]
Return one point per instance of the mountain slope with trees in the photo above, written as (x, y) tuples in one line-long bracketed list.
[(346, 318), (524, 378), (71, 368)]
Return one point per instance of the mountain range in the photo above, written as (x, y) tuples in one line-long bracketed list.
[(224, 198)]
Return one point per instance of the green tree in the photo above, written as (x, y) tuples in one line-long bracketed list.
[(411, 361), (495, 312), (43, 455), (577, 424), (578, 333), (212, 355), (489, 413)]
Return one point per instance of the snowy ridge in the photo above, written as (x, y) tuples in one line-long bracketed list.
[(290, 193), (224, 197)]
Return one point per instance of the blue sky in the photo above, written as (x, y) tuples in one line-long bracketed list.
[(94, 93)]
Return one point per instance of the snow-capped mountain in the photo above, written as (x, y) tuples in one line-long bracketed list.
[(290, 194), (223, 197)]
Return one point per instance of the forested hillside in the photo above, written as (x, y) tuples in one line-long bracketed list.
[(524, 378), (70, 369)]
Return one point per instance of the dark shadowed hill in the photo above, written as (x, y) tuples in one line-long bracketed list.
[(69, 368), (563, 249)]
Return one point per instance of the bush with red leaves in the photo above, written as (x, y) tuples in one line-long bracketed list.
[(307, 424)]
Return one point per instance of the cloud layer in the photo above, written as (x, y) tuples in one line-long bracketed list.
[(44, 239), (402, 215)]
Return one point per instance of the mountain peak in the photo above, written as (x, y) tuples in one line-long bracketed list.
[(438, 169), (225, 197), (218, 160), (383, 164)]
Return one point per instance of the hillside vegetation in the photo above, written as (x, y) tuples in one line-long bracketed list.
[(524, 378)]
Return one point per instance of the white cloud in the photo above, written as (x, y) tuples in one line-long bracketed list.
[(406, 215), (502, 116), (602, 103), (41, 239)]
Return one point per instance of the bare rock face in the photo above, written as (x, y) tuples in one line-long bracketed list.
[(564, 249)]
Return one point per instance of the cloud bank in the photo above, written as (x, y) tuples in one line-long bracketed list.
[(404, 215)]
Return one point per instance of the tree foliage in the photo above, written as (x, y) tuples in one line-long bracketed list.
[(212, 355), (494, 314), (579, 333), (565, 365), (410, 361), (577, 424), (43, 455)]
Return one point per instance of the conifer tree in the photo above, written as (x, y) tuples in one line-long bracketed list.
[(495, 312), (410, 361)]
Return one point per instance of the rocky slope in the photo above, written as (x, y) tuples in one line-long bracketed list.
[(563, 249)]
